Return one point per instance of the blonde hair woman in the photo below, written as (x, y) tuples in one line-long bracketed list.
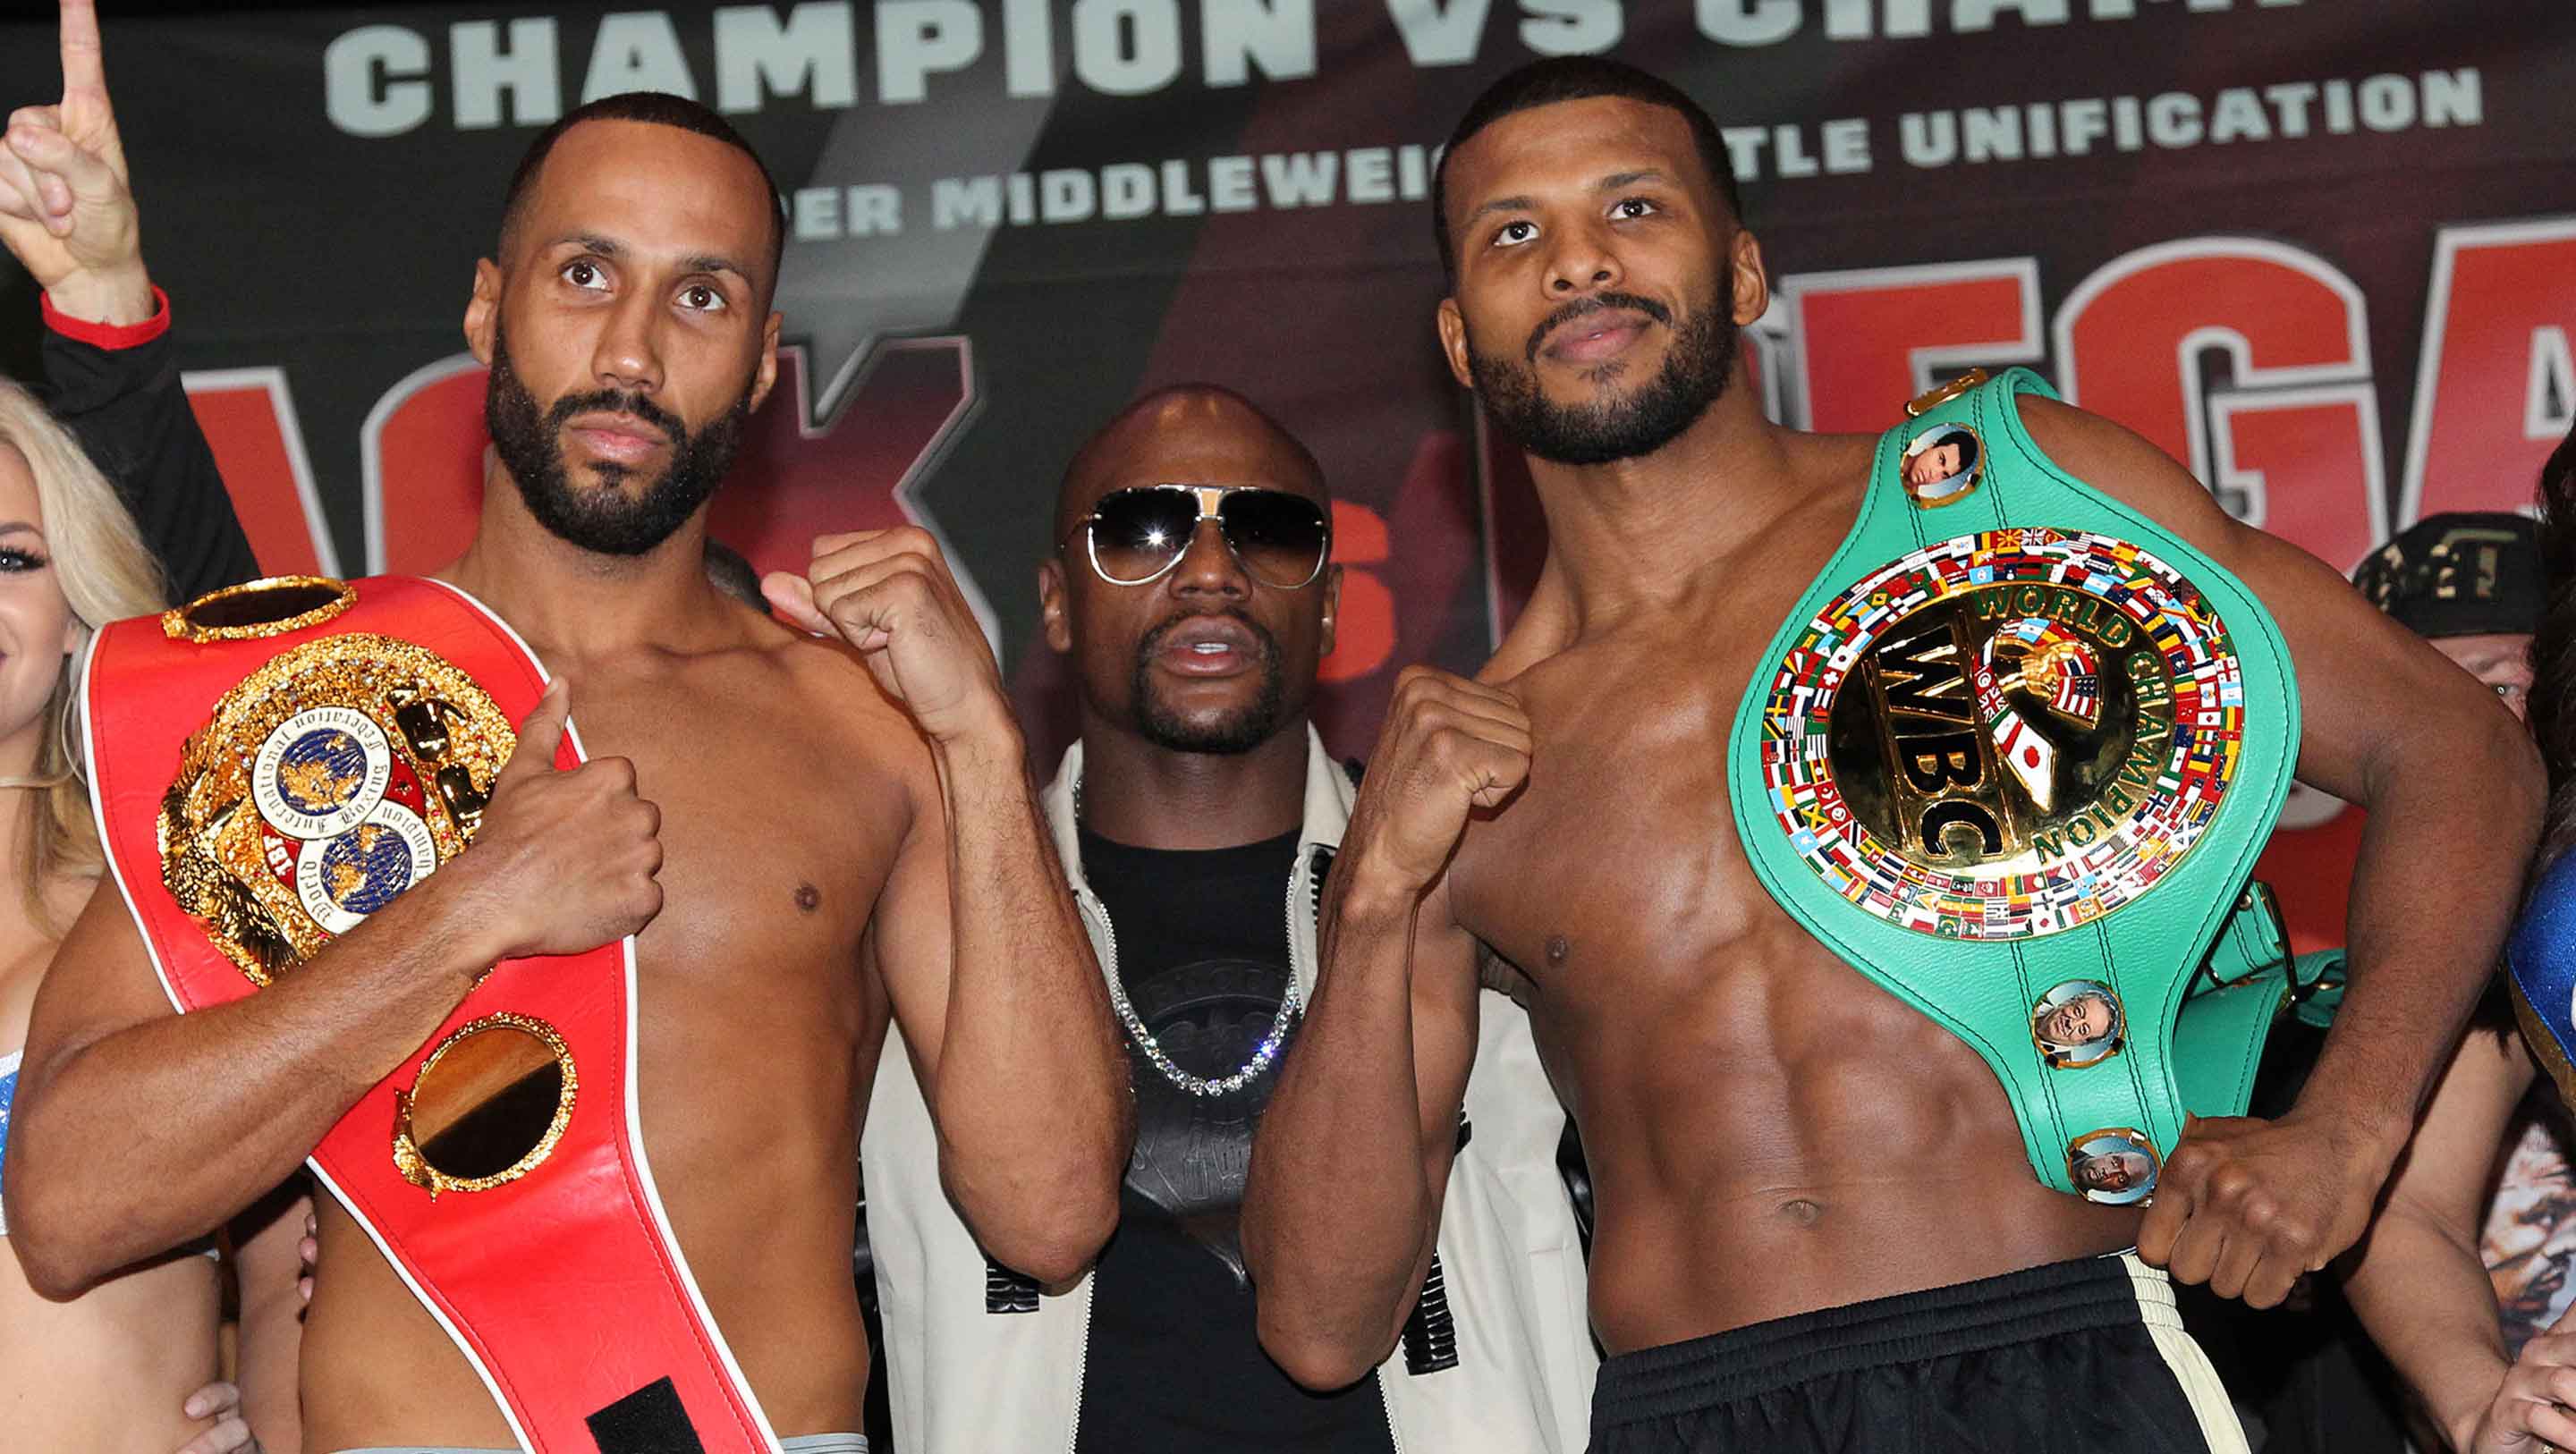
[(120, 1368), (115, 1368)]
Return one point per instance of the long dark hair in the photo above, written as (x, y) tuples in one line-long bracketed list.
[(2553, 648)]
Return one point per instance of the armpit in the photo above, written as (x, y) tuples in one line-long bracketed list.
[(1494, 972)]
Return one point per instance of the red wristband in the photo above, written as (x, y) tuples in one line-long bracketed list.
[(110, 335)]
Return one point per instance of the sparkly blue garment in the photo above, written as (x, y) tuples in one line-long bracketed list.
[(2542, 954), (8, 1098)]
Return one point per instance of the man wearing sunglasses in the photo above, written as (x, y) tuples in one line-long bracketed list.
[(1821, 1222), (1192, 596)]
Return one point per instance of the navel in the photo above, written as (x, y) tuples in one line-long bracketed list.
[(808, 897), (1557, 949), (1802, 1212)]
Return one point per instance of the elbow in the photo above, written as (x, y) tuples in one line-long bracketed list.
[(1311, 1355), (49, 1250), (1051, 1238), (1057, 1252)]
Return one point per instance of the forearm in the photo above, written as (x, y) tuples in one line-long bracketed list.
[(2423, 944), (158, 1132), (123, 395), (1339, 1218), (1034, 1109), (2426, 1300)]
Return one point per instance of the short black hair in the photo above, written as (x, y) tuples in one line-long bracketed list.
[(1576, 78), (660, 109)]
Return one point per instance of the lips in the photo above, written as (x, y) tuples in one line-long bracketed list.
[(1594, 336), (1207, 646), (621, 437)]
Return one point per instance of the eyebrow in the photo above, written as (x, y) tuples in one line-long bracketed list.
[(609, 247), (1501, 204), (710, 262), (12, 527), (1610, 183)]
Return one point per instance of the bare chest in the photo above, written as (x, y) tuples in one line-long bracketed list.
[(777, 831), (1619, 865)]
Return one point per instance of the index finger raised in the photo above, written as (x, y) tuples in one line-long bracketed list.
[(84, 58)]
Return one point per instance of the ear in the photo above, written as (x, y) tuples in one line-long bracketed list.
[(483, 310), (1752, 284), (1054, 619), (768, 372), (1332, 609), (1453, 342)]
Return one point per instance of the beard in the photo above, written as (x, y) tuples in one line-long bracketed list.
[(1238, 731), (1618, 425), (602, 518)]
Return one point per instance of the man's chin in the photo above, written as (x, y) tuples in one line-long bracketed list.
[(1239, 729)]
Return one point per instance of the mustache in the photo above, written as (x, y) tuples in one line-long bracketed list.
[(1585, 307), (618, 401), (1153, 640)]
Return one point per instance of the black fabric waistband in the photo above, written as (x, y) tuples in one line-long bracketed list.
[(2016, 1307)]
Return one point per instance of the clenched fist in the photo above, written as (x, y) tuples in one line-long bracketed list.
[(564, 861), (1449, 747), (2247, 1205), (888, 593)]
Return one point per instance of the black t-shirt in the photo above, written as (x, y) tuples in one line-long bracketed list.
[(1173, 1361)]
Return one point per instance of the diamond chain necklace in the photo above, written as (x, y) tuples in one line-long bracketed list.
[(1291, 1005)]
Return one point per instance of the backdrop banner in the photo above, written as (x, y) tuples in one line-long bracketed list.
[(2323, 253)]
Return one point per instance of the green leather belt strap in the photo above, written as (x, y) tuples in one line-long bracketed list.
[(2013, 757)]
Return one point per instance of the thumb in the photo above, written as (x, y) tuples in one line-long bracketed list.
[(792, 597), (540, 733)]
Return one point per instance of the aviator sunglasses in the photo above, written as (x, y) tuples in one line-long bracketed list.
[(1138, 533)]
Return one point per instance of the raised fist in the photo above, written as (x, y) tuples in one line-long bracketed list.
[(888, 593), (1449, 747)]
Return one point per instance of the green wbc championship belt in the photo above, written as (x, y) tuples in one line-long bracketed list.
[(2012, 757)]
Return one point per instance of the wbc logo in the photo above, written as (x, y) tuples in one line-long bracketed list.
[(2004, 735)]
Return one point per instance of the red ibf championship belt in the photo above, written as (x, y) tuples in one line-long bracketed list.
[(275, 762)]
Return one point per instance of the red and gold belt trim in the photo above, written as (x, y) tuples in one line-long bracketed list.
[(271, 764)]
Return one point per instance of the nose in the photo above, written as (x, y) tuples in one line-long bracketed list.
[(1208, 567), (1584, 260), (628, 354)]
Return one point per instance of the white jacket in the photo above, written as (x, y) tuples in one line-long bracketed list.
[(967, 1381)]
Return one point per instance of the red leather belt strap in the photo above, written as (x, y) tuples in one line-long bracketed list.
[(564, 1287)]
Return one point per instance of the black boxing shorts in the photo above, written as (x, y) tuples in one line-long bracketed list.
[(2084, 1355)]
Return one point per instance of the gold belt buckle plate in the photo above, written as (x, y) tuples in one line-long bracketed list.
[(331, 779)]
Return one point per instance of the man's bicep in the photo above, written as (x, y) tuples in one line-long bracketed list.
[(2362, 678), (101, 981)]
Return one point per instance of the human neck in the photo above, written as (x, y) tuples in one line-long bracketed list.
[(1634, 534), (1145, 796), (581, 603)]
